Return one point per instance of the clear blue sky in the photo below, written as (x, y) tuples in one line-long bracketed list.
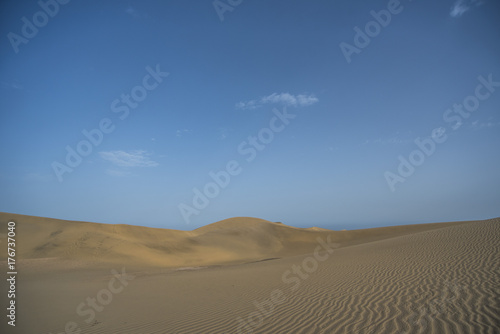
[(231, 71)]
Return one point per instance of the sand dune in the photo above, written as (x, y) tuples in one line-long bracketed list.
[(233, 240), (430, 278), (230, 241)]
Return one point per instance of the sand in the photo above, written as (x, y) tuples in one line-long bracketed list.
[(248, 275)]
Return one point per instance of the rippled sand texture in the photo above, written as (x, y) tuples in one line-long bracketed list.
[(442, 279)]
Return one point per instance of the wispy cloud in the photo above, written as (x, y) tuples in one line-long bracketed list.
[(476, 125), (136, 158), (287, 99), (252, 104), (460, 7), (182, 132)]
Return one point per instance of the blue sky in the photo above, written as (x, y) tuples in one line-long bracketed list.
[(172, 91)]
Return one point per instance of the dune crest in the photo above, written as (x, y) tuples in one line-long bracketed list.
[(229, 241), (234, 240)]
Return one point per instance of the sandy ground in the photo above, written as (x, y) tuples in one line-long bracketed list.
[(247, 275)]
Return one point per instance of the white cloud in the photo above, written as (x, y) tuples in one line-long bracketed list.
[(462, 6), (305, 100), (136, 158), (248, 105), (476, 125), (180, 133), (287, 99)]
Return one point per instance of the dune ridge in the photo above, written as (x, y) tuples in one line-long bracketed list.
[(233, 240)]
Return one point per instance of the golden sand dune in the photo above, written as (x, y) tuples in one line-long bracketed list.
[(229, 241), (233, 240), (431, 278)]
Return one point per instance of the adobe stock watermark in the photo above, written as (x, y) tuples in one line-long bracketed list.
[(293, 277), (120, 106), (222, 6), (249, 149), (362, 38), (97, 304), (30, 28), (454, 118)]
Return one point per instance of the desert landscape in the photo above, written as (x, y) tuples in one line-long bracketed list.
[(248, 275), (250, 167)]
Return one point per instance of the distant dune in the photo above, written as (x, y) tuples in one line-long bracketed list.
[(234, 240), (248, 275)]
